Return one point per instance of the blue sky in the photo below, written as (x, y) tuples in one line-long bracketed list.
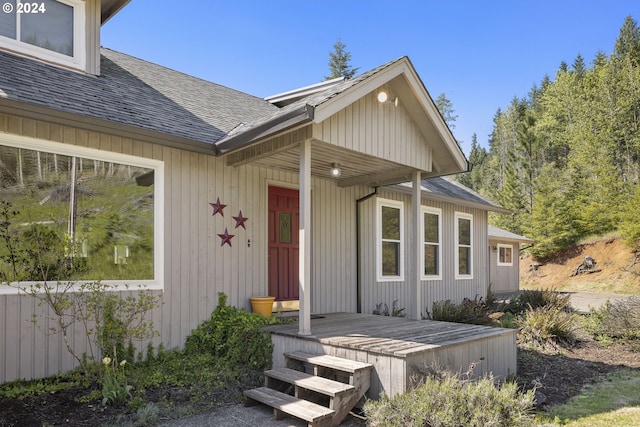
[(481, 54)]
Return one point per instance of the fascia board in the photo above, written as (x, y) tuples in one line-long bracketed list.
[(351, 95), (34, 112)]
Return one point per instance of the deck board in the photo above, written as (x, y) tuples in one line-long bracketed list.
[(388, 335), (398, 347)]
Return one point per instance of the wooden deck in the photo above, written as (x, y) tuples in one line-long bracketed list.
[(398, 347)]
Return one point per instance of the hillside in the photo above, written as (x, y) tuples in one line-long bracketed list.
[(615, 273)]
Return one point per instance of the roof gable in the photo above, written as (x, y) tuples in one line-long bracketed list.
[(399, 75)]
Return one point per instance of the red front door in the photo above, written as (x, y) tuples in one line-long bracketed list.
[(284, 216)]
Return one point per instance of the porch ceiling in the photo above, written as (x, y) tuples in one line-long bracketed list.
[(356, 168)]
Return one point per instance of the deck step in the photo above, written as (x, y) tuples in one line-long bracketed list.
[(330, 362), (305, 410), (321, 385)]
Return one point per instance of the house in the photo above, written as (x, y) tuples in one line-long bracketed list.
[(504, 266), (220, 191)]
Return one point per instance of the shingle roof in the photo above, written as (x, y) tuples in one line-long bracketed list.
[(448, 187), (305, 104), (499, 233), (133, 92)]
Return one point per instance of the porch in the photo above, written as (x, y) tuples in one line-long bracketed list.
[(398, 347)]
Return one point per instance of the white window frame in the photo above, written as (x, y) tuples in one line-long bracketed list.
[(157, 283), (438, 213), (505, 246), (78, 60), (457, 217), (396, 205)]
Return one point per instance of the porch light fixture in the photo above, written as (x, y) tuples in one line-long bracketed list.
[(335, 170), (384, 97)]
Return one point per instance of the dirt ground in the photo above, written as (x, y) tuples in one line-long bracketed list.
[(616, 271), (559, 373)]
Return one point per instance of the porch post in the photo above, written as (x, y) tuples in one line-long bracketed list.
[(304, 268), (416, 245)]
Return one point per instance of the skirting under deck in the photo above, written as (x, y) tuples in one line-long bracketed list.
[(399, 348)]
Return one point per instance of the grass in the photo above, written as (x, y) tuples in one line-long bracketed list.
[(614, 401)]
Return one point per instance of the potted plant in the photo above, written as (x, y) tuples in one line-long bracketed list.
[(262, 305)]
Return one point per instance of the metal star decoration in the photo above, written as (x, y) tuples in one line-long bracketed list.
[(240, 220), (217, 207), (225, 238)]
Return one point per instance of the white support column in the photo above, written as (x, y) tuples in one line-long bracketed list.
[(304, 274), (415, 259)]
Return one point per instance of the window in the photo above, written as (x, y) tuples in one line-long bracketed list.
[(431, 260), (98, 211), (52, 30), (505, 255), (390, 240), (464, 245)]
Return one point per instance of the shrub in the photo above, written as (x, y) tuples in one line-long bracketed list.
[(618, 320), (475, 311), (508, 320), (395, 310), (236, 337), (547, 325), (534, 298), (450, 401)]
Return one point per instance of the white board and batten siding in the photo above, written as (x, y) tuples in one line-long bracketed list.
[(196, 267), (373, 128), (448, 287), (504, 278)]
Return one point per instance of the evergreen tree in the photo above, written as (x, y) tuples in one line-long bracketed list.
[(578, 66), (630, 223), (339, 62), (628, 41), (601, 60), (563, 67), (445, 107), (566, 159), (477, 157), (551, 221)]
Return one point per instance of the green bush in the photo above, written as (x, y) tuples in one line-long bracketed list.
[(618, 320), (475, 311), (449, 401), (508, 320), (547, 325), (395, 310), (534, 298), (236, 337)]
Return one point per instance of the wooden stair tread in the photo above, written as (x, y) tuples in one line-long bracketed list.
[(331, 362), (310, 382), (299, 408)]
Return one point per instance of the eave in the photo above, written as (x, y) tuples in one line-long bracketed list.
[(37, 112), (262, 143), (108, 8)]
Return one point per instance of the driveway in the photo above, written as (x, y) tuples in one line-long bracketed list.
[(583, 302)]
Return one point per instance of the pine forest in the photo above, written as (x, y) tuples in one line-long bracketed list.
[(565, 159)]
